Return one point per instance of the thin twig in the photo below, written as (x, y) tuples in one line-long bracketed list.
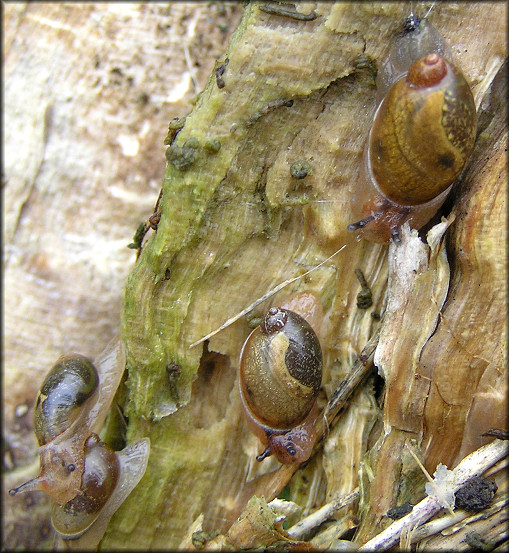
[(362, 366), (501, 465), (262, 299), (439, 525), (305, 527), (473, 465)]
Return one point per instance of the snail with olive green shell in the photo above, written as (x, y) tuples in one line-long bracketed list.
[(280, 377), (422, 135), (85, 478)]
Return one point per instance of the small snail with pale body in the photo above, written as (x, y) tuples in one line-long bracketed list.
[(423, 133), (85, 478), (280, 377)]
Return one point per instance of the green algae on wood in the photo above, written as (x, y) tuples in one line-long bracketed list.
[(233, 225)]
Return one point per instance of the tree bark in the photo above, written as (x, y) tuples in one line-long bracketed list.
[(88, 92), (291, 88)]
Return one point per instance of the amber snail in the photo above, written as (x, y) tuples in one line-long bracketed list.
[(85, 478), (422, 135), (280, 377)]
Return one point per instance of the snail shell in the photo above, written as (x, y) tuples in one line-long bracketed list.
[(62, 424), (100, 476), (69, 384), (280, 377), (422, 135), (108, 478), (85, 478)]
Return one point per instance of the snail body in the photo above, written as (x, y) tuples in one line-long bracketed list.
[(280, 377), (108, 478), (422, 135), (85, 478)]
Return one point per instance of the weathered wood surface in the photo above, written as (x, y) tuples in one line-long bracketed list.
[(88, 92), (233, 225)]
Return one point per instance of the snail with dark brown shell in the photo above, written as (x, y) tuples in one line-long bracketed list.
[(85, 478), (280, 377), (70, 383), (422, 136)]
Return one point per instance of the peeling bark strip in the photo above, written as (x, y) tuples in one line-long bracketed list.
[(278, 9)]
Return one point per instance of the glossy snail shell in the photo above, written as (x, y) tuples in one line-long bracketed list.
[(71, 381), (422, 136), (99, 479), (280, 377), (65, 410), (108, 478), (423, 132)]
